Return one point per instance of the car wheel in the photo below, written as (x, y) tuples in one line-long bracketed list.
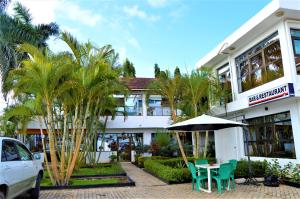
[(35, 192), (2, 195)]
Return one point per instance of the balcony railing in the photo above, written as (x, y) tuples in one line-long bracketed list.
[(130, 111), (158, 111)]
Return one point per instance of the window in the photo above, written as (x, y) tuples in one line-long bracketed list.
[(23, 152), (225, 81), (132, 105), (260, 64), (158, 106), (296, 47), (10, 151), (271, 136)]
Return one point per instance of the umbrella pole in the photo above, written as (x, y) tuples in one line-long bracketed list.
[(250, 180)]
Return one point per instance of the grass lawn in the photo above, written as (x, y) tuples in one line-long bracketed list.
[(100, 169), (47, 182)]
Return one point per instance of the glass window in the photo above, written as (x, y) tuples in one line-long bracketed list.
[(24, 153), (131, 106), (158, 106), (271, 136), (260, 64), (10, 150), (296, 47), (225, 81)]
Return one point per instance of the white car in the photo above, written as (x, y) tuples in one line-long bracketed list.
[(20, 170)]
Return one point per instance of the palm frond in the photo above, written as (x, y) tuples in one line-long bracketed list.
[(22, 13)]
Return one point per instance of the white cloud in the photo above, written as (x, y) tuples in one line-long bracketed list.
[(134, 11), (45, 11), (41, 11), (122, 54), (74, 31), (179, 11), (157, 3), (78, 14), (134, 43)]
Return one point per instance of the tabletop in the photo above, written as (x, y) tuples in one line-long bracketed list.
[(208, 166)]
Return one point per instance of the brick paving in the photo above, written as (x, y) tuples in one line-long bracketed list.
[(148, 186)]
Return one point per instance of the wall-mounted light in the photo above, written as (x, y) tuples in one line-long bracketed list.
[(279, 14)]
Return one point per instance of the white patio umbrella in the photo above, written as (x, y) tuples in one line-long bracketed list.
[(206, 123)]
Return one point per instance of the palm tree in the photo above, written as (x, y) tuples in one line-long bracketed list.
[(99, 81), (195, 100), (16, 30), (43, 77), (170, 88)]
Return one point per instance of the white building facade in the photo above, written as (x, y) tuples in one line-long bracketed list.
[(259, 65)]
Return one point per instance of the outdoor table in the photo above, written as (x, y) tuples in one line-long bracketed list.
[(208, 167)]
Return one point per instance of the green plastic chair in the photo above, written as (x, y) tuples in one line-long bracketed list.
[(195, 177), (201, 161), (223, 176), (233, 166), (202, 170)]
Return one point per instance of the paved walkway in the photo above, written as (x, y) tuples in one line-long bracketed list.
[(148, 186), (140, 177)]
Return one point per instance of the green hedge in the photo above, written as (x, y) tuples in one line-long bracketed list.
[(167, 173), (258, 168), (174, 170), (141, 160)]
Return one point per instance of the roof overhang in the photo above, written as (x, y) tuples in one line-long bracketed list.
[(273, 13)]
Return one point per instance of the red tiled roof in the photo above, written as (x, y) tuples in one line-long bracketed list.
[(138, 83)]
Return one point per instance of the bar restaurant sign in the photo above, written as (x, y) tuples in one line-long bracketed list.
[(280, 92)]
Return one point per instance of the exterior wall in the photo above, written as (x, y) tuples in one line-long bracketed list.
[(147, 137), (138, 122), (240, 100), (229, 142), (226, 144)]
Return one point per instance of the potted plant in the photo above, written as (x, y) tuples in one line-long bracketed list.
[(272, 174), (112, 158), (291, 175)]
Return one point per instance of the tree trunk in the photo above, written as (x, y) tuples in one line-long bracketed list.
[(198, 144), (52, 145), (62, 155), (78, 143), (178, 138), (194, 143), (206, 143), (181, 148), (44, 151)]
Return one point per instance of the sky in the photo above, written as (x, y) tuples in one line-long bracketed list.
[(167, 32)]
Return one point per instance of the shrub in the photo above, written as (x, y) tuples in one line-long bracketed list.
[(273, 169), (139, 149), (141, 160), (112, 158), (258, 168), (295, 175), (167, 173), (172, 170)]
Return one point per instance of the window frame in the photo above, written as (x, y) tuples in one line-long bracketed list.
[(246, 56), (296, 38), (222, 70), (259, 138)]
